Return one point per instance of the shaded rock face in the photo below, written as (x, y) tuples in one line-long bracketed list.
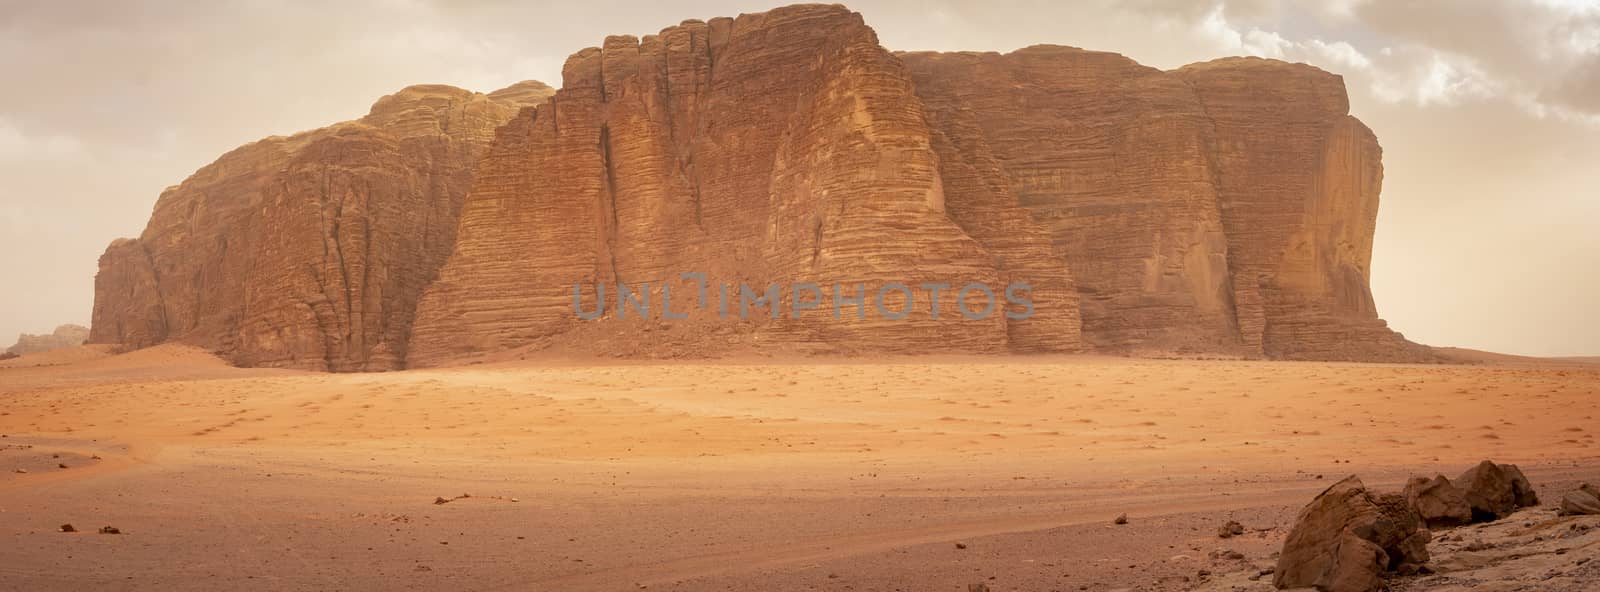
[(1223, 207), (307, 251), (63, 336), (1347, 538)]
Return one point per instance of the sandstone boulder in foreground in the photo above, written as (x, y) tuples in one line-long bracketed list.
[(1439, 502), (1583, 500), (1347, 538), (1494, 490)]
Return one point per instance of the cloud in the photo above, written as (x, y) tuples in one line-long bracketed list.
[(1540, 56)]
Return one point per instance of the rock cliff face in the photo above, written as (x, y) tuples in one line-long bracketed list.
[(1224, 207), (786, 147), (63, 336), (307, 251), (1221, 208)]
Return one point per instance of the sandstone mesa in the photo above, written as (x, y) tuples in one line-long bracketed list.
[(62, 336), (1221, 208)]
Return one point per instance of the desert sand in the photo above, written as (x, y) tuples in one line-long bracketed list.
[(813, 474)]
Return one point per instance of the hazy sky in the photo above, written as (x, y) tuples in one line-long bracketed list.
[(1488, 112)]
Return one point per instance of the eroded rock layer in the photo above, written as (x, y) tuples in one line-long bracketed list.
[(1224, 207), (779, 148), (307, 251)]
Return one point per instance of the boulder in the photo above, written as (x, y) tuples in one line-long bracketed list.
[(1583, 500), (1438, 501), (1493, 490), (1347, 538)]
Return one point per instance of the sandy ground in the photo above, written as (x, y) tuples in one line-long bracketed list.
[(914, 474)]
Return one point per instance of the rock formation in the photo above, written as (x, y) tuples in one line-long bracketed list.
[(1495, 490), (1347, 538), (63, 336), (1438, 501), (1221, 208), (1585, 500), (784, 147), (1226, 207), (311, 250)]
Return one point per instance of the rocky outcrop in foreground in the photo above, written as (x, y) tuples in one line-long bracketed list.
[(1224, 208), (63, 336), (1349, 539)]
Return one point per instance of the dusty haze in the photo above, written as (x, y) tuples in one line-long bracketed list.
[(1488, 111)]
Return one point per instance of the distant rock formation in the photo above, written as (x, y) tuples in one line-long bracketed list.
[(1222, 208), (308, 251), (63, 336)]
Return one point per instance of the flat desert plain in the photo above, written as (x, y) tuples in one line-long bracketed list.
[(905, 474)]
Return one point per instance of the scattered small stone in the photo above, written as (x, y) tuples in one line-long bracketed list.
[(1121, 519), (440, 501), (61, 465), (978, 587), (68, 528), (110, 530), (961, 545), (21, 471), (1230, 530)]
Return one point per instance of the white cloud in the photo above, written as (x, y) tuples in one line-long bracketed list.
[(1539, 57), (1447, 82), (1339, 52)]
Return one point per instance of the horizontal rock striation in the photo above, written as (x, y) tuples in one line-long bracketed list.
[(1224, 208), (307, 251), (786, 147)]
